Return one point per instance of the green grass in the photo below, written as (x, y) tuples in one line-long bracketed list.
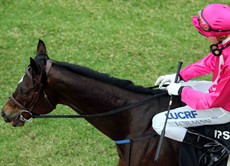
[(131, 39)]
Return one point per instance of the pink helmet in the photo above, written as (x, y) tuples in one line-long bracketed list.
[(213, 20)]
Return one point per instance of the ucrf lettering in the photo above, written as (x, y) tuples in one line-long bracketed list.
[(222, 134), (182, 115)]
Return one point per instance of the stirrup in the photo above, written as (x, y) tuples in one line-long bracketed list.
[(214, 153), (211, 160)]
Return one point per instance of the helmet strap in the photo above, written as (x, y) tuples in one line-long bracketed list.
[(215, 50)]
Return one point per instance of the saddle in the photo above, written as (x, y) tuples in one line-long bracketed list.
[(191, 156)]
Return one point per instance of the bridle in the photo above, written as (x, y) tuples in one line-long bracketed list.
[(27, 111)]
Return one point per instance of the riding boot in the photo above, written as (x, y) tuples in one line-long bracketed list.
[(214, 151)]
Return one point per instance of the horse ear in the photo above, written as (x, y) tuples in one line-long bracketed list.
[(34, 65), (41, 48)]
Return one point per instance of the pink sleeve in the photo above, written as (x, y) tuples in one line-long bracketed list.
[(218, 98), (196, 99), (202, 67)]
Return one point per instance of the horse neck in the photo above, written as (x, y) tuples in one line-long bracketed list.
[(89, 96)]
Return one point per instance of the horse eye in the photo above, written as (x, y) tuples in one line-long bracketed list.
[(24, 91)]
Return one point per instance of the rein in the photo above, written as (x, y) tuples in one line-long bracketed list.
[(122, 109)]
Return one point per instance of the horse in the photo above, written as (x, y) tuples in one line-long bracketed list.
[(118, 108)]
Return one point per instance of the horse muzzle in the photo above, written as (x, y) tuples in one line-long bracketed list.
[(13, 116)]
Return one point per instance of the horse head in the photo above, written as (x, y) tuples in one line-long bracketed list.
[(30, 92)]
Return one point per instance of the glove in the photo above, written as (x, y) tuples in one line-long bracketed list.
[(166, 79), (174, 89)]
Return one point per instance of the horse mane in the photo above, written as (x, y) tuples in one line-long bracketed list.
[(124, 84)]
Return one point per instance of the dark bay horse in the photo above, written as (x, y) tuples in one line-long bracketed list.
[(47, 83)]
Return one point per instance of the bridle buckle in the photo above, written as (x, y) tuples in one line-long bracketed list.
[(25, 116)]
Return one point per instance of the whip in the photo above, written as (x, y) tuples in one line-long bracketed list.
[(169, 107)]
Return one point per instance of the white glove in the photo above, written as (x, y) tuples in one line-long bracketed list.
[(166, 79), (174, 88)]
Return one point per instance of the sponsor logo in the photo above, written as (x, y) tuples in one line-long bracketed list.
[(182, 115), (193, 123), (222, 134)]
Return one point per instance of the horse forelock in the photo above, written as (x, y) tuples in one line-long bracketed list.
[(106, 78), (41, 59)]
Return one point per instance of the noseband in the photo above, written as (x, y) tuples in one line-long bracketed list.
[(27, 111)]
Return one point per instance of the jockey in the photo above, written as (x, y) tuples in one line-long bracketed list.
[(203, 107)]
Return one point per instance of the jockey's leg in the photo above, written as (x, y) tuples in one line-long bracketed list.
[(180, 119)]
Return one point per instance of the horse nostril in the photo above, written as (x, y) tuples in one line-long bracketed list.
[(4, 117)]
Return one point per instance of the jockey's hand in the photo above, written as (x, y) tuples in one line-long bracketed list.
[(166, 79), (174, 89)]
